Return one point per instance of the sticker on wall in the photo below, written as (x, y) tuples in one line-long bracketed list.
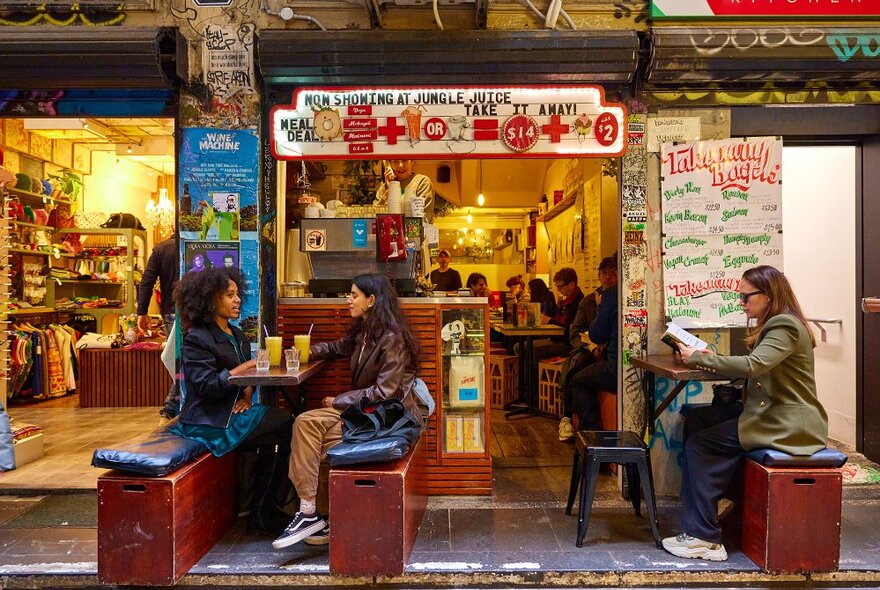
[(316, 240)]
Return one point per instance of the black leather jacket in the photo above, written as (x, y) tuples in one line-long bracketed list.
[(207, 356)]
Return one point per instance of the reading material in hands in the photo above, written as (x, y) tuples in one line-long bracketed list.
[(675, 334)]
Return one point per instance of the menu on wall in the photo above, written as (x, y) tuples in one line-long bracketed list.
[(722, 214)]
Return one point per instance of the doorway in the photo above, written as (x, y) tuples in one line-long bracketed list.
[(819, 216)]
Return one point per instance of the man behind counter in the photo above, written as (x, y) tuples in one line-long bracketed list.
[(445, 278)]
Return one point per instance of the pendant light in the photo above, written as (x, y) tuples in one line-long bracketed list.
[(481, 200)]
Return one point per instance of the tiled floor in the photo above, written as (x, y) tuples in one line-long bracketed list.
[(520, 528), (71, 434)]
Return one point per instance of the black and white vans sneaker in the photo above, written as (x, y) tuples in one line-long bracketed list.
[(302, 526), (322, 537)]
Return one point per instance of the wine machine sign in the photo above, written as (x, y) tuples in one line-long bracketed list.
[(448, 122)]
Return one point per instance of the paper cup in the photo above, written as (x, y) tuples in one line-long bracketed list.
[(418, 206)]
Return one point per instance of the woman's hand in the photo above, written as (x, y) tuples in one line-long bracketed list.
[(327, 402), (243, 404), (243, 367), (686, 352)]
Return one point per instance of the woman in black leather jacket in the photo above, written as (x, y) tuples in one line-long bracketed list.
[(384, 362), (221, 415)]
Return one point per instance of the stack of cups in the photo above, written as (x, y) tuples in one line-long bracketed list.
[(395, 201)]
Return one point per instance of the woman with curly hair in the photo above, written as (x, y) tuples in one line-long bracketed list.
[(217, 413), (384, 360)]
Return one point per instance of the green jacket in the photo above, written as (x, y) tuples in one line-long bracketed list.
[(781, 408)]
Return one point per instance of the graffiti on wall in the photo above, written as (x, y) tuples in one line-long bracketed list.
[(78, 14), (844, 45)]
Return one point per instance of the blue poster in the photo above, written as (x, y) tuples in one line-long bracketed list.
[(217, 204)]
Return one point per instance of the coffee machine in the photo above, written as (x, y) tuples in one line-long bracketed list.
[(339, 249)]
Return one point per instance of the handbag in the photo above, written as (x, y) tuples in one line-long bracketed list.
[(374, 432), (725, 394)]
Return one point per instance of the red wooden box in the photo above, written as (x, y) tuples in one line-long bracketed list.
[(375, 513), (152, 530), (791, 518)]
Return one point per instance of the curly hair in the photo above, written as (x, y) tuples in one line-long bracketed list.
[(385, 316), (196, 293)]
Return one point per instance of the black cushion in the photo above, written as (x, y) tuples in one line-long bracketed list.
[(774, 458), (154, 455)]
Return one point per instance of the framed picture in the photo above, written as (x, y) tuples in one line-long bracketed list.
[(16, 136), (63, 153), (82, 158), (41, 147), (12, 162), (31, 166), (50, 169)]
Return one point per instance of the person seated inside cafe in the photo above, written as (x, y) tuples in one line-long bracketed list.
[(584, 351), (602, 374), (445, 278), (516, 288), (539, 293), (566, 282), (478, 285)]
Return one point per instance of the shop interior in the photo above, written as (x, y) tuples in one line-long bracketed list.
[(74, 266), (495, 216)]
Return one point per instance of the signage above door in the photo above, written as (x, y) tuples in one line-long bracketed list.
[(421, 122), (759, 8)]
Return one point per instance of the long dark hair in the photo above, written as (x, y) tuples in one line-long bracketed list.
[(196, 293), (385, 316), (539, 293), (772, 283)]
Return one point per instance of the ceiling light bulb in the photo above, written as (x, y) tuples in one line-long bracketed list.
[(481, 200), (128, 149), (470, 218)]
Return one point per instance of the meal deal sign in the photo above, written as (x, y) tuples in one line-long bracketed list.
[(751, 8), (721, 204), (445, 122)]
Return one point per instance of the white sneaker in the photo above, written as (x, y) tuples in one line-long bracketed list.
[(690, 547), (566, 431)]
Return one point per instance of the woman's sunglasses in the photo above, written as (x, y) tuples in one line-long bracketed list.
[(744, 297)]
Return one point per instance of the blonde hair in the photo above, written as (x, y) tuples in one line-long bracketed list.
[(772, 283)]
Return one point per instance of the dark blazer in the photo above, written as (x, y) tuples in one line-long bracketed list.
[(162, 265), (378, 371), (207, 355), (781, 409)]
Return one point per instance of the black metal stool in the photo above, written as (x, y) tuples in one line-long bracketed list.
[(594, 447)]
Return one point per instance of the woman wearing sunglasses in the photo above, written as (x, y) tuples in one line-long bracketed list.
[(781, 409)]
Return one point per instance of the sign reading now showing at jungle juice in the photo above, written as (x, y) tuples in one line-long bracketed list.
[(448, 122), (721, 204)]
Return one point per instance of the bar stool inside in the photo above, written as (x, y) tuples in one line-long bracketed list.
[(595, 447)]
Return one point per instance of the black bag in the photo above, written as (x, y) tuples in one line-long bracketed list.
[(725, 394), (374, 432), (123, 221)]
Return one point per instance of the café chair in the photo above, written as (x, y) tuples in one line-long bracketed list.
[(595, 447)]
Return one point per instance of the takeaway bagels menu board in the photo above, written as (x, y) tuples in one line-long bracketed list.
[(721, 203)]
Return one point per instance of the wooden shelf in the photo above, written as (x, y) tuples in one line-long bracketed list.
[(31, 310), (28, 194), (36, 225), (558, 208), (91, 282), (31, 252)]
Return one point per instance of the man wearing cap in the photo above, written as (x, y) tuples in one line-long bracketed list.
[(584, 351), (445, 278)]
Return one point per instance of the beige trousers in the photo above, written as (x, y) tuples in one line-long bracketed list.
[(314, 433)]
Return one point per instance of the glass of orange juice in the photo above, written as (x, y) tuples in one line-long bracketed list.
[(302, 342), (273, 345)]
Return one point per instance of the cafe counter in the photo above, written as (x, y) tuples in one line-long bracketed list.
[(458, 434)]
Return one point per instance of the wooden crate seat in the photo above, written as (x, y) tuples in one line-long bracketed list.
[(504, 376), (549, 396), (375, 513), (152, 530)]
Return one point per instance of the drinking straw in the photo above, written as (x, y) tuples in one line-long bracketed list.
[(310, 329), (265, 331)]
